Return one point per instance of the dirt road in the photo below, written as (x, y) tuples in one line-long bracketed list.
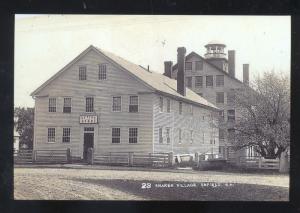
[(90, 184)]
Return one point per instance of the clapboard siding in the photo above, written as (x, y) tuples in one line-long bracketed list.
[(210, 93), (185, 122), (118, 82)]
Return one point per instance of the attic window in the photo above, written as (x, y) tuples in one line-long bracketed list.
[(82, 73), (102, 71), (188, 65)]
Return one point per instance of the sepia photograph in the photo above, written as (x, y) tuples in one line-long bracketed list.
[(152, 107)]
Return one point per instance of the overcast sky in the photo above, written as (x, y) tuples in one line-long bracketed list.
[(46, 43)]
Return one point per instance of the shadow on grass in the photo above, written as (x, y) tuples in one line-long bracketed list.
[(206, 191)]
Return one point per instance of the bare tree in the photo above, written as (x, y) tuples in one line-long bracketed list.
[(264, 118)]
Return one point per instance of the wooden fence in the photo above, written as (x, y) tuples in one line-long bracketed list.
[(259, 163), (131, 159), (42, 156), (23, 156)]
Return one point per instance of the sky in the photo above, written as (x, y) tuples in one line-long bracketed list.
[(46, 43)]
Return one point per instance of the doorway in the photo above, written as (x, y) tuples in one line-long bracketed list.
[(88, 142)]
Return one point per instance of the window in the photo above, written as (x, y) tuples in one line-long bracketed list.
[(220, 80), (67, 105), (168, 105), (188, 65), (102, 71), (133, 135), (221, 133), (179, 136), (89, 104), (66, 135), (191, 136), (220, 97), (199, 65), (51, 134), (89, 129), (160, 135), (231, 115), (189, 82), (52, 104), (201, 94), (168, 135), (161, 104), (116, 106), (209, 81), (133, 103), (231, 134), (82, 73), (180, 108), (115, 135), (198, 81)]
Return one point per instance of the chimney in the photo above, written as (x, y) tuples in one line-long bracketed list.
[(168, 68), (231, 63), (246, 74), (180, 70)]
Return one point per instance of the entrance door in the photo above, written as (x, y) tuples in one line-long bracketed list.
[(88, 143)]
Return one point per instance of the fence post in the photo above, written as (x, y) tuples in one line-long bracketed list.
[(196, 159), (170, 159), (283, 162), (90, 157), (130, 158), (33, 156), (69, 157), (259, 162)]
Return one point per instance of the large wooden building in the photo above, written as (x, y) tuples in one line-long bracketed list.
[(213, 78), (103, 101)]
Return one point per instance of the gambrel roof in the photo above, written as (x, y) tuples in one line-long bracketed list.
[(155, 81), (190, 55)]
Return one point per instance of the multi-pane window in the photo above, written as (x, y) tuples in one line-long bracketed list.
[(102, 71), (221, 133), (160, 135), (220, 80), (82, 73), (189, 82), (133, 135), (51, 134), (116, 105), (66, 135), (161, 104), (52, 104), (220, 97), (188, 65), (209, 81), (179, 136), (168, 105), (133, 103), (198, 81), (67, 105), (89, 104), (199, 65), (231, 115), (168, 135), (180, 108), (115, 135)]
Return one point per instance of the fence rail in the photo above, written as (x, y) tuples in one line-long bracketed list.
[(132, 159), (259, 163), (23, 156)]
